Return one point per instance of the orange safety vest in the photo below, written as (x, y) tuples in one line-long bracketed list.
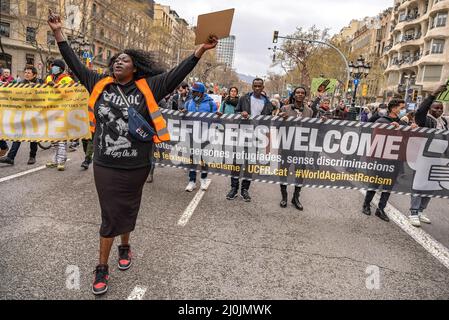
[(158, 120), (63, 78)]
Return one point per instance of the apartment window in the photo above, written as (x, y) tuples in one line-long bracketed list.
[(29, 59), (5, 6), (437, 46), (5, 29), (432, 73), (109, 53), (31, 34), (51, 41), (440, 19), (100, 54), (31, 8)]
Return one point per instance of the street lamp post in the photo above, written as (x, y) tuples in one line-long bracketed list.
[(276, 36), (358, 70), (80, 45)]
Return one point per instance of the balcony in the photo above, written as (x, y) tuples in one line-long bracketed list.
[(396, 62), (387, 48), (410, 59)]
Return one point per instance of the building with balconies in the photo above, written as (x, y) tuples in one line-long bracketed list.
[(104, 27), (417, 54)]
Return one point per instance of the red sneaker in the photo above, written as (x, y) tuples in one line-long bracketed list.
[(125, 256), (100, 285)]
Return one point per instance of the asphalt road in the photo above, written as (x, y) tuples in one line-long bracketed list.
[(49, 224)]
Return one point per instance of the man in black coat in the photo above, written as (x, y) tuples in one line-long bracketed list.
[(396, 110), (251, 104)]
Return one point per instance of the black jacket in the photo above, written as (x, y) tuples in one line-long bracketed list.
[(421, 116), (36, 81), (387, 119), (245, 105), (177, 102)]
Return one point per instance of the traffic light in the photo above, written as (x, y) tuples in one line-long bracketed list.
[(275, 36), (415, 95), (349, 86)]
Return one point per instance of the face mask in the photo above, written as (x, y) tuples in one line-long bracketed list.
[(402, 113), (55, 70), (383, 112), (197, 99)]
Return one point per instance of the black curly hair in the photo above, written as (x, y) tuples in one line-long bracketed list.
[(143, 61), (292, 95)]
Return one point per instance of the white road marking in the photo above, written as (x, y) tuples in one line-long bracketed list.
[(436, 249), (137, 293), (24, 173), (192, 206), (20, 174)]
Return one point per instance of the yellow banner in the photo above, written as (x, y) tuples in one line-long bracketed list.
[(44, 113)]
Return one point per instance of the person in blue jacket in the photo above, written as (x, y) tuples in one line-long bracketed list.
[(200, 102)]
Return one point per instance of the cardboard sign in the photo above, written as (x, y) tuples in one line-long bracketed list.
[(216, 23)]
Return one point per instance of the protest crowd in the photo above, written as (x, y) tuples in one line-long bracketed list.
[(172, 92)]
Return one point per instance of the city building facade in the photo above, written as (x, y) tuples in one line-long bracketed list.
[(417, 55), (226, 51), (96, 30)]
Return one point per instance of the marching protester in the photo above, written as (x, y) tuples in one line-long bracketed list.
[(409, 118), (428, 115), (251, 104), (381, 111), (30, 77), (58, 76), (136, 80), (295, 108), (276, 106), (364, 117), (200, 102), (178, 101), (340, 112), (323, 111), (396, 110), (6, 77), (230, 102), (277, 96)]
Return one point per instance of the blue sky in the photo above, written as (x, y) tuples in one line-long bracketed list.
[(255, 21)]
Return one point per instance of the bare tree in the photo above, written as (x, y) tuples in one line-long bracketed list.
[(31, 17)]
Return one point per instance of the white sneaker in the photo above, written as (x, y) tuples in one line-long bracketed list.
[(423, 218), (191, 186), (204, 185), (414, 221)]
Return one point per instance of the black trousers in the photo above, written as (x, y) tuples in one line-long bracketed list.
[(16, 146), (383, 199), (235, 184)]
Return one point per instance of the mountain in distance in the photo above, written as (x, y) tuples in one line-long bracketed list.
[(246, 78)]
